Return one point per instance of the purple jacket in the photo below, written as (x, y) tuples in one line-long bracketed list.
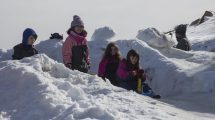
[(122, 71)]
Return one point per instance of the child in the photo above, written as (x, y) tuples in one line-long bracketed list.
[(131, 77), (26, 48), (109, 64), (180, 33), (75, 50)]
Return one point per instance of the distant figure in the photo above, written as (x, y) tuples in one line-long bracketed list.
[(109, 63), (75, 50), (26, 48), (180, 33)]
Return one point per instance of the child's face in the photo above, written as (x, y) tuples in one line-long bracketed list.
[(31, 40), (133, 60), (113, 50), (79, 29)]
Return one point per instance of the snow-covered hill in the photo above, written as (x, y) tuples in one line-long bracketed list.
[(41, 88), (202, 36)]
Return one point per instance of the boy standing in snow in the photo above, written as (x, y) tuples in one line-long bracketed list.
[(109, 64), (180, 33), (75, 50), (26, 48)]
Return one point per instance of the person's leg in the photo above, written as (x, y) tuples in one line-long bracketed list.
[(146, 87), (113, 80), (134, 84)]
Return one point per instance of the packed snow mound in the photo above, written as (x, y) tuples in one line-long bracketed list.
[(202, 36), (52, 48), (41, 89), (154, 38), (6, 54), (184, 67), (100, 39), (103, 33), (184, 75)]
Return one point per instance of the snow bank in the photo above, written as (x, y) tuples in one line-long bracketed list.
[(4, 116), (202, 36), (154, 38), (157, 58), (6, 55), (103, 34), (42, 89), (52, 91), (52, 48), (162, 61)]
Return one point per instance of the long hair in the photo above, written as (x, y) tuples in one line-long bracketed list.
[(108, 55), (128, 61)]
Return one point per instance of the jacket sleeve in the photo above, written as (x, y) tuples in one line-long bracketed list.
[(17, 55), (67, 51), (88, 56), (122, 72), (102, 67)]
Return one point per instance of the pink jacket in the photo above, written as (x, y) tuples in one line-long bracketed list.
[(72, 40), (122, 71), (102, 67)]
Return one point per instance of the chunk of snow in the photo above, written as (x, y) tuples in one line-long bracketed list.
[(154, 38)]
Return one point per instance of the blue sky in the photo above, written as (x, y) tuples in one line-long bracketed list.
[(125, 17)]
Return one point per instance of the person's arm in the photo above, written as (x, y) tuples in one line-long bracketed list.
[(102, 67), (88, 56), (67, 52)]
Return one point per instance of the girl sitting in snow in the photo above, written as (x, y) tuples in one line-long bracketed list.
[(109, 64), (75, 50), (26, 48), (131, 77), (129, 70)]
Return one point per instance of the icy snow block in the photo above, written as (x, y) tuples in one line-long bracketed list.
[(103, 34), (6, 54), (154, 38)]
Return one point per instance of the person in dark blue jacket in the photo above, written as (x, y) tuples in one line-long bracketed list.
[(26, 48)]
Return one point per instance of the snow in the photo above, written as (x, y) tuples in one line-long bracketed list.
[(97, 45), (202, 36), (5, 54), (154, 38), (52, 48), (42, 88)]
